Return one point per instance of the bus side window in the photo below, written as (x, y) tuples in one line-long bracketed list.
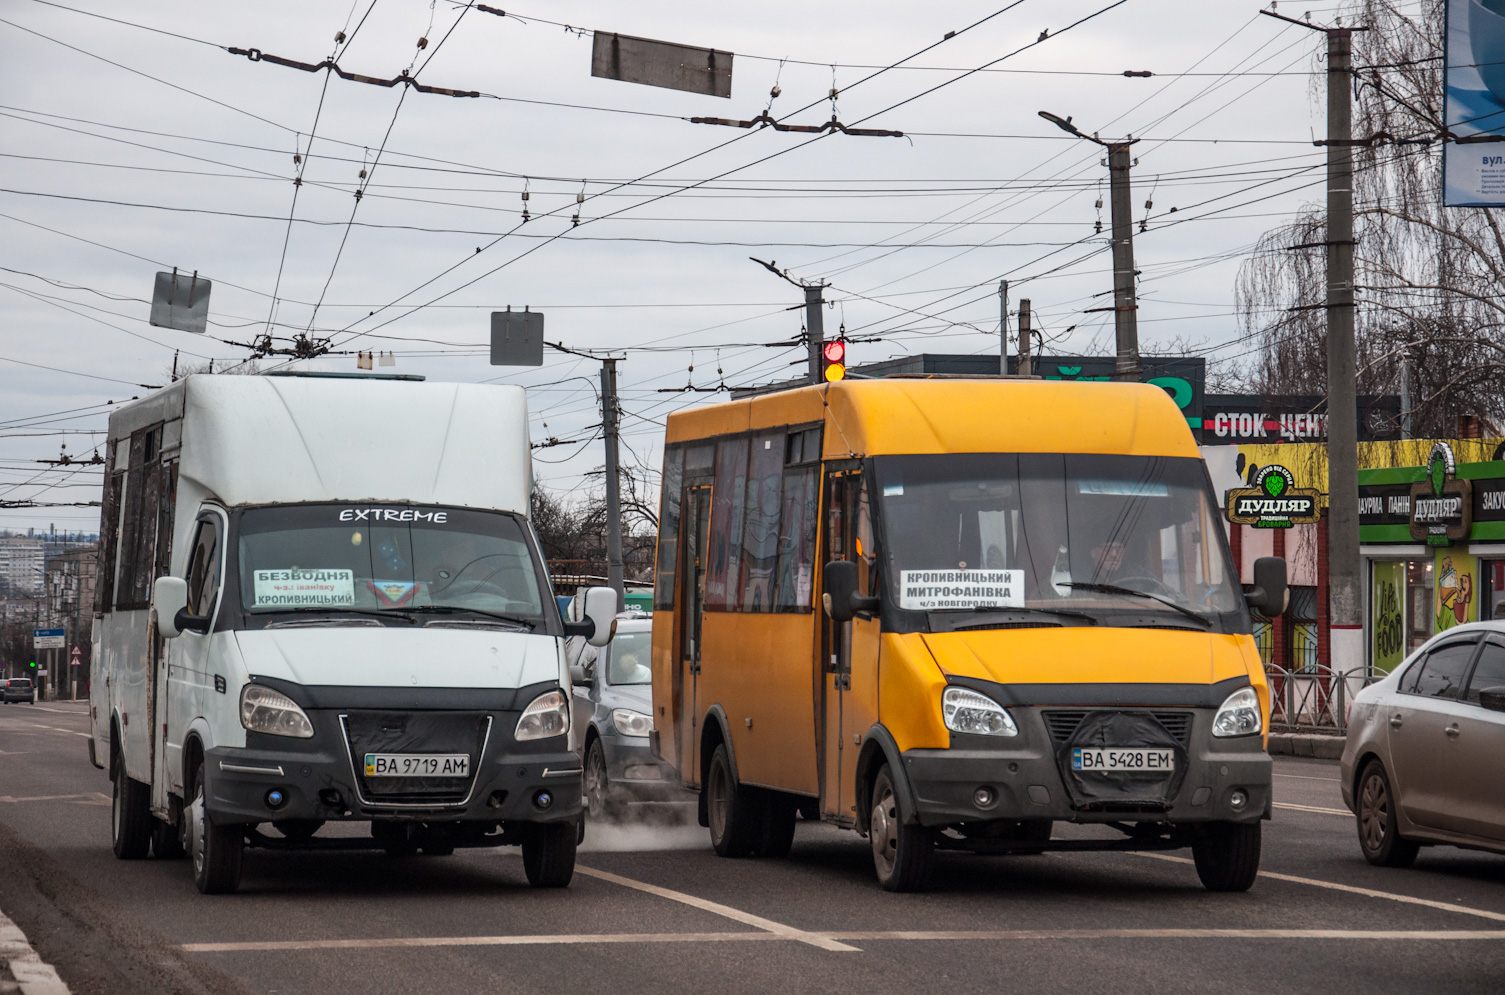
[(866, 553)]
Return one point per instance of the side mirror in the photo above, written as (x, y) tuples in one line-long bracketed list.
[(597, 613), (1493, 699), (578, 676), (1269, 594), (840, 598), (170, 601)]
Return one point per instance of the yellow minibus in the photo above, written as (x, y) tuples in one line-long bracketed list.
[(950, 612)]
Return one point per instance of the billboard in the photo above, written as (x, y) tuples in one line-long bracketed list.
[(1474, 162)]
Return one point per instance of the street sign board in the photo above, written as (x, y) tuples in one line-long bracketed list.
[(181, 301), (516, 338), (661, 63), (48, 639)]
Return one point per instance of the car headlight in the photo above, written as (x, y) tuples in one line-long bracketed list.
[(971, 712), (547, 715), (1238, 715), (630, 723), (272, 712)]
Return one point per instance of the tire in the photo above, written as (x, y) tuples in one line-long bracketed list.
[(549, 854), (166, 843), (598, 800), (732, 811), (215, 851), (130, 815), (1033, 831), (1381, 842), (438, 849), (776, 831), (1227, 855), (902, 854)]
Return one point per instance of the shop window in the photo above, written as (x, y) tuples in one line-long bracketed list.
[(1492, 606), (1301, 617)]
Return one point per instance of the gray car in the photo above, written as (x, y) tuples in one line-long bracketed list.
[(18, 689), (1425, 748), (614, 705)]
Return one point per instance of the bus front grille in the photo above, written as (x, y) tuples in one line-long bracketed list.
[(1061, 724)]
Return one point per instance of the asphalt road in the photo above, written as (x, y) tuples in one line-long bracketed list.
[(652, 909)]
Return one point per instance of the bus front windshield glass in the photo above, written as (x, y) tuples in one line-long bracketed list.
[(1056, 532), (400, 559)]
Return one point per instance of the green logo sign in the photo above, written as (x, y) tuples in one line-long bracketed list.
[(1273, 501), (1274, 484)]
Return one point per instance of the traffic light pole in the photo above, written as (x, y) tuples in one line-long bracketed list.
[(610, 426), (815, 329)]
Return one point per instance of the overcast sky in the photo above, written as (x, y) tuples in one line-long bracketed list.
[(126, 151)]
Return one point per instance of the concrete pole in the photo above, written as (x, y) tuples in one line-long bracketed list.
[(1025, 369), (1125, 309), (1344, 602), (610, 424), (1003, 327), (815, 330)]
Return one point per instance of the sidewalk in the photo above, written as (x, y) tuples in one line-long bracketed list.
[(21, 970), (1306, 744)]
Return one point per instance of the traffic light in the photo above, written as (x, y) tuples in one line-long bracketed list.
[(32, 665), (835, 357)]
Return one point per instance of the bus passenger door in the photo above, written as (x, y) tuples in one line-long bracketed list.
[(696, 520), (849, 651)]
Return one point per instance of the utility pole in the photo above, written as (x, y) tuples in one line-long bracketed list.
[(1024, 333), (610, 425), (1346, 644), (1003, 327), (815, 325), (1125, 303)]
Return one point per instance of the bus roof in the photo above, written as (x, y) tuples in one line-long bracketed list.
[(928, 415)]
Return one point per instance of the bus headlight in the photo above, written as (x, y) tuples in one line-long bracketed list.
[(630, 723), (268, 711), (1238, 715), (964, 710), (547, 715)]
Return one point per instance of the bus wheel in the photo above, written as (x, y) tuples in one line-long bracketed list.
[(733, 811), (776, 833), (216, 851), (166, 844), (549, 854), (130, 815), (1227, 855), (902, 853)]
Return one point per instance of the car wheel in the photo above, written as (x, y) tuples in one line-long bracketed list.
[(597, 785), (1381, 842), (549, 854), (130, 815), (902, 853), (215, 851), (166, 843), (1227, 855), (438, 849), (776, 834), (731, 810)]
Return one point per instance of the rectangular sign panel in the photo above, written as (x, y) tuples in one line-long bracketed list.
[(517, 338), (1474, 164), (661, 63), (181, 301), (48, 639)]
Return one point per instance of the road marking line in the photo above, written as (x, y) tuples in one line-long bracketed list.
[(1308, 777), (726, 911), (1353, 890), (89, 796), (1314, 808), (994, 935), (33, 975)]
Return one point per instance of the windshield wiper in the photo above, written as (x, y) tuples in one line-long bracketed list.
[(1115, 589), (453, 609), (1067, 612), (376, 612)]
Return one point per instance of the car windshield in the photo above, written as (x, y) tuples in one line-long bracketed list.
[(1080, 533), (386, 559), (627, 660)]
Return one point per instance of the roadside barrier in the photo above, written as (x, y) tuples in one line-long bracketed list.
[(1314, 698)]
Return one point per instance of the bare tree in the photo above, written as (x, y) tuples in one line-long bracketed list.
[(1429, 277)]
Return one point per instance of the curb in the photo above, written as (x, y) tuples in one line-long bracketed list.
[(1297, 744), (20, 967)]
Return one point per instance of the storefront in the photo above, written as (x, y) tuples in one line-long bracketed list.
[(1433, 544)]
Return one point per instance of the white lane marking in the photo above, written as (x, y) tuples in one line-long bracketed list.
[(63, 711), (1308, 777), (1314, 808), (1016, 935), (71, 732), (716, 908), (88, 796), (32, 974), (1354, 890)]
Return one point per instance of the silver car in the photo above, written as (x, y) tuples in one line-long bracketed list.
[(613, 703), (1425, 748)]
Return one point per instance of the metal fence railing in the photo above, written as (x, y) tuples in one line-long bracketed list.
[(1314, 698)]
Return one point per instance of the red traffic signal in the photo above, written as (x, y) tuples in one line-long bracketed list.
[(835, 354)]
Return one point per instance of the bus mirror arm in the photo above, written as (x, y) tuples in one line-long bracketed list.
[(1269, 596), (841, 600)]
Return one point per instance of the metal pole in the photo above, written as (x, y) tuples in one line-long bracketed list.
[(1405, 397), (1347, 638), (1125, 310), (1003, 327), (815, 329), (1024, 333), (610, 425)]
